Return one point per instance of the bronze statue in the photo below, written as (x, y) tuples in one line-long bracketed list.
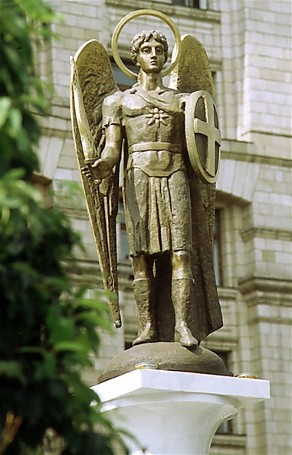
[(167, 139)]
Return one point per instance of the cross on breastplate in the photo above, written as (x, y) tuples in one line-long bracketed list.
[(212, 133)]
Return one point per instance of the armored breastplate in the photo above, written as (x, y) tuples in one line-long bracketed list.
[(154, 130), (153, 120)]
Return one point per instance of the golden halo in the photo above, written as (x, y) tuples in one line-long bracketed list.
[(145, 12)]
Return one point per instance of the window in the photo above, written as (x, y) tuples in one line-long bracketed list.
[(189, 3), (199, 4), (225, 427), (123, 81)]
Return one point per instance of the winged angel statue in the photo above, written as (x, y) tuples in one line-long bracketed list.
[(167, 139)]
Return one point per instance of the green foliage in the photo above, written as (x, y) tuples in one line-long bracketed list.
[(47, 328), (20, 90)]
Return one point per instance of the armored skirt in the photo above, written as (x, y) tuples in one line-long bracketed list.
[(158, 212)]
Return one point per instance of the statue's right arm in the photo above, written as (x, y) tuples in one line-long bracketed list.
[(111, 153)]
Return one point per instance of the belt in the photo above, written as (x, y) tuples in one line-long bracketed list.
[(149, 146)]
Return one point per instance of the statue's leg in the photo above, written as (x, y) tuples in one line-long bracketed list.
[(144, 292), (182, 283)]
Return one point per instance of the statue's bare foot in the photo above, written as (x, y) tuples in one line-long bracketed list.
[(148, 335), (185, 335)]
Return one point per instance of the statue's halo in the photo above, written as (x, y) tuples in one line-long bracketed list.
[(145, 12)]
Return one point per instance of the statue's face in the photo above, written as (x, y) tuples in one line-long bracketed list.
[(151, 57)]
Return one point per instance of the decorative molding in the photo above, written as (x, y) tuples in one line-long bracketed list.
[(270, 320), (246, 152), (265, 233), (259, 159), (264, 286), (271, 133), (232, 441), (227, 293)]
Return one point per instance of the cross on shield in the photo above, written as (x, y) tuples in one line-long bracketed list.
[(203, 135)]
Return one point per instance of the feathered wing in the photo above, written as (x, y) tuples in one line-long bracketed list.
[(193, 73), (96, 81)]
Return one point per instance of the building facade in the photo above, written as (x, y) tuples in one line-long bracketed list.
[(248, 44)]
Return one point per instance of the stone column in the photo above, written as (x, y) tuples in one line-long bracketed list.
[(172, 412)]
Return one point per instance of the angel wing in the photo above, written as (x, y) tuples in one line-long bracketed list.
[(91, 66), (192, 74), (192, 71)]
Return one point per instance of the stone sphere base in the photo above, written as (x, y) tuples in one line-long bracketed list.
[(165, 356)]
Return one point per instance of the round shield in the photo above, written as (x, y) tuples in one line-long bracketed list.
[(203, 135)]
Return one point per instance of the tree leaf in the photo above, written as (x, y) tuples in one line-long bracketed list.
[(5, 104)]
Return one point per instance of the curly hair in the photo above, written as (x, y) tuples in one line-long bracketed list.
[(143, 37)]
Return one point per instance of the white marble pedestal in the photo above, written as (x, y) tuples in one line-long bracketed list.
[(175, 413)]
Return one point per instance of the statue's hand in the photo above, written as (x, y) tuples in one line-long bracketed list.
[(102, 168), (98, 171), (87, 172)]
